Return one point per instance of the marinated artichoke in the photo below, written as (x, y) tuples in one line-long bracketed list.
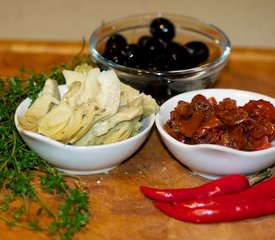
[(96, 109)]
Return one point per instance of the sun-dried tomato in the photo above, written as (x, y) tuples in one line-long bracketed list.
[(249, 127)]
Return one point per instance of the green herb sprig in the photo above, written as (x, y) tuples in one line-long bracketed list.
[(20, 168)]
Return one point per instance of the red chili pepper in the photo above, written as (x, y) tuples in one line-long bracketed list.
[(260, 190), (234, 211), (222, 186)]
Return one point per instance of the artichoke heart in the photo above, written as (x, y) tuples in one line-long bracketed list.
[(49, 97), (89, 84), (127, 94), (72, 76), (130, 112), (108, 97), (150, 105), (107, 100), (55, 121), (97, 109), (118, 133), (72, 118), (126, 113), (67, 124)]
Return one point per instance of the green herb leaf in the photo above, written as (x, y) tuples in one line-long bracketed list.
[(19, 166)]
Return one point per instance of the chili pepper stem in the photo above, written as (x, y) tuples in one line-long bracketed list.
[(260, 176)]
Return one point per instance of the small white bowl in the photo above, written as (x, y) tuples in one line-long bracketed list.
[(209, 160), (82, 160)]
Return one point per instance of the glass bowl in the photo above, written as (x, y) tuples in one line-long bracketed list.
[(162, 85)]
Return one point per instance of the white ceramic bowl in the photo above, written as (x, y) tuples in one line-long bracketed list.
[(82, 160), (209, 160)]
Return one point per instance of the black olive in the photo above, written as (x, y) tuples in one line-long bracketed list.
[(116, 41), (176, 56), (115, 55), (158, 51), (152, 49), (143, 40), (132, 56), (198, 52), (162, 28)]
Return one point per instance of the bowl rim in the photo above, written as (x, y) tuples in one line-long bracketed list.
[(210, 146), (221, 60)]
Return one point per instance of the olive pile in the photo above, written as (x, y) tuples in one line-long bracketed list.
[(156, 52)]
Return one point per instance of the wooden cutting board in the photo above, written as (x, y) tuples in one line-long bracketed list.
[(118, 209)]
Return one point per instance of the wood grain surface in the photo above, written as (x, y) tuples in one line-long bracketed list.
[(118, 209)]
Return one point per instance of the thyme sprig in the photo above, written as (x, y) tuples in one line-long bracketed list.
[(21, 168)]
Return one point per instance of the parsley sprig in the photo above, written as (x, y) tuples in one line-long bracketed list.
[(23, 175)]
